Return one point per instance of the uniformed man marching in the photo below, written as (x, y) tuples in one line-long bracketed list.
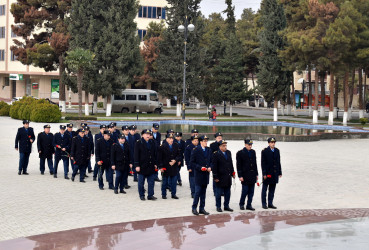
[(213, 148), (132, 138), (23, 143), (194, 132), (80, 154), (102, 157), (223, 172), (156, 134), (182, 147), (62, 145), (121, 162), (97, 137), (125, 131), (190, 169), (88, 134), (247, 171), (169, 159), (46, 149), (200, 162), (272, 171), (71, 134), (145, 163)]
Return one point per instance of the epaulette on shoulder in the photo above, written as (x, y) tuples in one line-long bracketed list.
[(215, 152), (194, 148)]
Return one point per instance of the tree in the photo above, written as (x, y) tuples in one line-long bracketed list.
[(45, 49), (78, 60), (170, 61), (115, 44), (231, 19), (272, 79)]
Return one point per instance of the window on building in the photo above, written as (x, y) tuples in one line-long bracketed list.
[(131, 97), (158, 12), (2, 55), (144, 11), (142, 97), (149, 12), (2, 32), (2, 10), (140, 12), (6, 83), (143, 34), (140, 34), (13, 57), (13, 34), (163, 12), (153, 12)]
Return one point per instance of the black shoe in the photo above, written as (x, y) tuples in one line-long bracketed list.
[(101, 188), (265, 207), (164, 197), (83, 181), (180, 183), (51, 173), (25, 173), (90, 171), (175, 197), (94, 179), (19, 172), (242, 207), (250, 208), (66, 177), (228, 209), (203, 212), (115, 191), (72, 178), (168, 188), (219, 210), (42, 173), (86, 176), (122, 192), (157, 180), (142, 198), (135, 180), (127, 186), (192, 196), (55, 176), (194, 211), (272, 207), (152, 198)]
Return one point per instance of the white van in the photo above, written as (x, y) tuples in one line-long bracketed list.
[(130, 100)]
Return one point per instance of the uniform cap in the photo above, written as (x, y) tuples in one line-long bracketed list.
[(83, 124), (194, 137), (203, 138), (87, 128), (81, 130), (63, 127), (69, 125), (156, 126), (125, 127), (222, 142), (114, 124), (132, 127), (178, 134), (194, 131), (121, 136), (271, 139), (170, 131), (25, 122), (249, 141), (107, 132), (102, 126), (169, 136), (146, 131), (218, 134), (47, 126)]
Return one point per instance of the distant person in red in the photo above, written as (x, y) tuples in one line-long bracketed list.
[(213, 114)]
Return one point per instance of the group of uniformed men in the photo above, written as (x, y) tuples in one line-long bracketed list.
[(143, 156)]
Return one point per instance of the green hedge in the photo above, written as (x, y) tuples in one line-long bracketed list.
[(77, 118), (4, 109), (31, 109)]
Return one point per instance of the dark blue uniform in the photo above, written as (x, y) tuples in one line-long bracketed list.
[(46, 150), (213, 148), (81, 153), (200, 158), (131, 140), (182, 146), (71, 135), (166, 154), (120, 157), (157, 138), (96, 168), (103, 151), (271, 166), (24, 146), (222, 168), (63, 141), (146, 158), (92, 147), (191, 175), (248, 170)]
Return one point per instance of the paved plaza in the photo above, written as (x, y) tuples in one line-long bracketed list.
[(327, 174)]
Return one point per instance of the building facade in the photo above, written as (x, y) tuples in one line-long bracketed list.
[(18, 80)]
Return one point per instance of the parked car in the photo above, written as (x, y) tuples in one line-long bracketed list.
[(130, 100), (173, 102), (258, 98)]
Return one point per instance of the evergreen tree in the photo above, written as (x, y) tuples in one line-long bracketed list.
[(272, 79), (231, 19), (170, 61)]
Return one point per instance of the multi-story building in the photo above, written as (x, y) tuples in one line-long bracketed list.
[(17, 79)]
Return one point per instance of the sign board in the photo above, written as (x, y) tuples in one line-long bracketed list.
[(34, 85), (16, 77), (55, 88)]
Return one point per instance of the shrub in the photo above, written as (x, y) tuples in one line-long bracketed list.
[(44, 112), (4, 109), (363, 121), (100, 105)]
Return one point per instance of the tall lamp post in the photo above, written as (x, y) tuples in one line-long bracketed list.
[(185, 29)]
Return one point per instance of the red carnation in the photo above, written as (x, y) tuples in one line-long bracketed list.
[(258, 184), (74, 162), (101, 162), (203, 169), (156, 170), (234, 173), (164, 169), (131, 172), (269, 176), (29, 136)]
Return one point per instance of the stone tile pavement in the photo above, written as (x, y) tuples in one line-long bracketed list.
[(324, 174)]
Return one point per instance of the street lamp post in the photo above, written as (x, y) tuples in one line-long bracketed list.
[(185, 29)]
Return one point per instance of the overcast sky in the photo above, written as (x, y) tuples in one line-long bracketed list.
[(210, 6)]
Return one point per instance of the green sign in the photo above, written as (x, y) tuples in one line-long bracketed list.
[(20, 77), (55, 88), (16, 77)]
